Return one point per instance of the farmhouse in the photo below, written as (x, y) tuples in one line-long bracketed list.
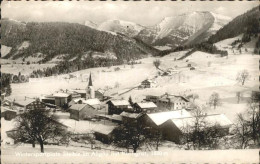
[(82, 112), (7, 113), (48, 100), (117, 106), (105, 133), (130, 117), (168, 102), (148, 84), (29, 104), (99, 94), (147, 107), (62, 99), (157, 119), (95, 103), (173, 129)]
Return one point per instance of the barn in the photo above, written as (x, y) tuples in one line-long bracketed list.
[(146, 107), (62, 99), (157, 119), (104, 134), (117, 106), (148, 84), (82, 112), (7, 113), (173, 129)]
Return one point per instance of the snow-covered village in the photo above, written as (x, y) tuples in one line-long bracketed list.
[(185, 86)]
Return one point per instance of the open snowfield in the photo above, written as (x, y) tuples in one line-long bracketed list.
[(23, 68)]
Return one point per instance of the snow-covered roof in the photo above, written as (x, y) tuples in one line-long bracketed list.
[(161, 117), (61, 95), (210, 120), (78, 106), (130, 115), (119, 102), (145, 105), (92, 101), (23, 102), (3, 109), (101, 91), (173, 98), (104, 129), (116, 117), (80, 91)]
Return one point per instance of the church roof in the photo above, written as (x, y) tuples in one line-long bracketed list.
[(90, 81)]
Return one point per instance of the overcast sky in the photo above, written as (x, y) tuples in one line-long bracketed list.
[(144, 13)]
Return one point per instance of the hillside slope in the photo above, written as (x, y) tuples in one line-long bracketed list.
[(68, 39), (247, 23)]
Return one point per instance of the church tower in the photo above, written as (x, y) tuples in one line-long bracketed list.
[(90, 91)]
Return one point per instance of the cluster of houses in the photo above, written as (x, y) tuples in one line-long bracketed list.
[(167, 113)]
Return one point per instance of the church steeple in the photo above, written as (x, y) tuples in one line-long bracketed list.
[(90, 91), (90, 81)]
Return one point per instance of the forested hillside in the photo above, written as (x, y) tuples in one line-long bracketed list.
[(247, 24), (73, 40)]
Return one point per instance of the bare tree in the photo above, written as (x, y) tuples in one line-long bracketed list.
[(254, 117), (38, 125), (129, 135), (193, 97), (214, 100), (242, 131), (242, 76), (153, 137), (239, 96), (157, 63)]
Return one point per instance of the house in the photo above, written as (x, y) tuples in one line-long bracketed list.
[(48, 100), (173, 129), (92, 102), (81, 92), (146, 107), (104, 133), (82, 112), (100, 94), (148, 84), (29, 104), (114, 118), (62, 99), (130, 117), (36, 105), (7, 113), (152, 98), (157, 119), (168, 102), (117, 106)]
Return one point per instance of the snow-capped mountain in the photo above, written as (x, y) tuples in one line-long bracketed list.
[(124, 27), (90, 24), (171, 31)]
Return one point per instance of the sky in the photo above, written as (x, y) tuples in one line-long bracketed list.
[(142, 12)]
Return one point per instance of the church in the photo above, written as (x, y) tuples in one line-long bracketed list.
[(90, 90)]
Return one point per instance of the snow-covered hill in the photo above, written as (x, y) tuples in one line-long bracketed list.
[(90, 24)]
